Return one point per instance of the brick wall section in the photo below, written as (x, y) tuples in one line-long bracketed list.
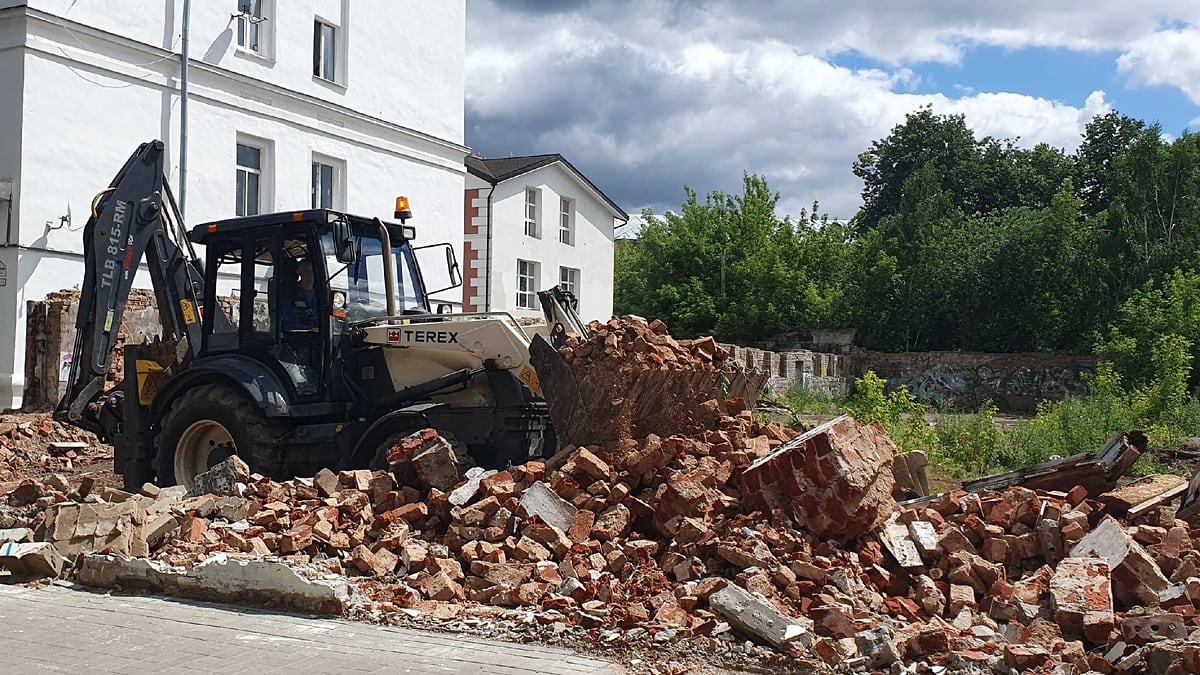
[(472, 299), (50, 339), (823, 372), (474, 250), (1013, 382), (471, 211)]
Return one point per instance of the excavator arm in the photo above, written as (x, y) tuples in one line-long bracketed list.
[(129, 221)]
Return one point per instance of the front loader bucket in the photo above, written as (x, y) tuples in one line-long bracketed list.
[(598, 404)]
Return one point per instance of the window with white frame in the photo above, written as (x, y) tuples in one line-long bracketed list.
[(566, 221), (326, 182), (325, 54), (568, 280), (249, 179), (251, 31), (531, 213), (528, 272)]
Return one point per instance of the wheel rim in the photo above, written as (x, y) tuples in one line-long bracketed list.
[(200, 447)]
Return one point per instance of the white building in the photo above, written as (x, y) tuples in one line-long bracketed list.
[(531, 223), (290, 104)]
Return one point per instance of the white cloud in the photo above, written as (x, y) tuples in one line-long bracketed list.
[(646, 96), (1165, 58)]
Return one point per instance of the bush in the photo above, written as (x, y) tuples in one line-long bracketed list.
[(900, 413), (804, 399)]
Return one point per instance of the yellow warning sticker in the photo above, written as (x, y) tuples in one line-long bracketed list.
[(149, 374), (189, 313), (529, 376)]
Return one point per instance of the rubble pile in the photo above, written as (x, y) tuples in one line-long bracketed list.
[(727, 537), (743, 531), (34, 444), (630, 379), (633, 345)]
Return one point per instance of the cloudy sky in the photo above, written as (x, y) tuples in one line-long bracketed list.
[(646, 96)]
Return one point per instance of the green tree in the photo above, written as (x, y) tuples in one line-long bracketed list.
[(1104, 138), (1155, 312), (731, 267)]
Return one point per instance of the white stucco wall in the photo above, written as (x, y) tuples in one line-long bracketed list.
[(12, 37), (99, 78), (592, 253)]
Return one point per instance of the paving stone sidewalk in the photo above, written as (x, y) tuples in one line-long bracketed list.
[(57, 629)]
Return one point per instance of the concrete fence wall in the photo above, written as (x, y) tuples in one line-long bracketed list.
[(1013, 382)]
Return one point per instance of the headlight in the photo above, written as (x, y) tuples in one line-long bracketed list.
[(339, 300)]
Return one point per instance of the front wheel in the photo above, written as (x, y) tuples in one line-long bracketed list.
[(207, 425)]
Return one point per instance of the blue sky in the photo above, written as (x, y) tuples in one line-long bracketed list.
[(1052, 73), (646, 96)]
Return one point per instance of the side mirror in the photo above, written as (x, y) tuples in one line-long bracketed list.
[(343, 241), (452, 267), (453, 273)]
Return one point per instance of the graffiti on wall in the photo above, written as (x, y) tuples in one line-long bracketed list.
[(1009, 384)]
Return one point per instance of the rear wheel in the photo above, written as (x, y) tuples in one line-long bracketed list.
[(207, 425)]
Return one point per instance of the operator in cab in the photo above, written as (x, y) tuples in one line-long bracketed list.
[(299, 306)]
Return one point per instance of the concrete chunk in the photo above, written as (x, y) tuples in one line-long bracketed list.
[(220, 479), (436, 467), (31, 560), (539, 500), (1136, 578), (1082, 600), (895, 538), (757, 618), (16, 535), (463, 494), (326, 482), (925, 537)]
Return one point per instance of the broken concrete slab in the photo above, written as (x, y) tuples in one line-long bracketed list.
[(834, 480), (31, 560), (539, 500), (1136, 578), (1119, 501), (220, 578), (1082, 600), (759, 619)]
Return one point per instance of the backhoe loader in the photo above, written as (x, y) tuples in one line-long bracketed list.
[(300, 340)]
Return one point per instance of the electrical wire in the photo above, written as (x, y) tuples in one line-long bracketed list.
[(168, 57)]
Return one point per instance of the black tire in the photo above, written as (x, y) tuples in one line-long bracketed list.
[(215, 421)]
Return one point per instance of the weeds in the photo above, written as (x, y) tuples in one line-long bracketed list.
[(967, 445)]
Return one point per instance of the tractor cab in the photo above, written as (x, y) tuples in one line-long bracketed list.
[(292, 284)]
